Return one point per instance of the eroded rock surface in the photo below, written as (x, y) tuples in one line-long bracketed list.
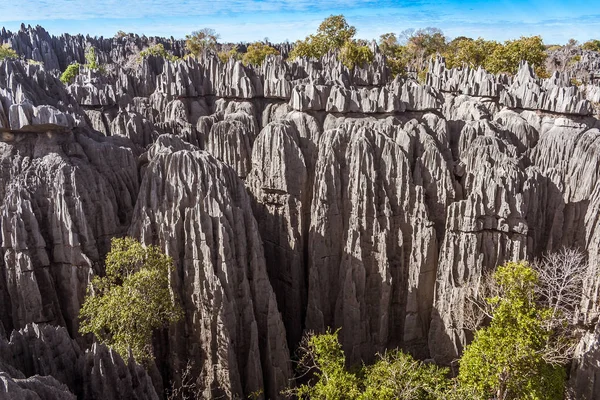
[(296, 195)]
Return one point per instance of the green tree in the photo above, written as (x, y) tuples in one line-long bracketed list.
[(336, 31), (422, 44), (506, 58), (91, 59), (69, 75), (332, 34), (466, 51), (506, 359), (257, 52), (592, 45), (395, 54), (354, 54), (228, 52), (201, 40), (158, 50), (396, 375), (7, 52), (133, 299), (323, 355)]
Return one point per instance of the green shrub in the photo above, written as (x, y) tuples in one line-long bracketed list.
[(201, 40), (90, 59), (396, 56), (134, 298), (7, 52), (332, 34), (70, 74), (353, 54), (158, 50), (575, 59), (257, 52), (395, 375), (225, 54), (506, 58), (506, 359), (592, 45)]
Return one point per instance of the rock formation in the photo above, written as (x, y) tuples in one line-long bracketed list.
[(295, 195)]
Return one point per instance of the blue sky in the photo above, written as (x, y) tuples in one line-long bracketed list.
[(249, 20)]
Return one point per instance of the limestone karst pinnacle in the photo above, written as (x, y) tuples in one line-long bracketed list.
[(298, 195)]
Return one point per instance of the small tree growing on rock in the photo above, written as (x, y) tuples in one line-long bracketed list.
[(134, 298), (7, 52), (69, 75)]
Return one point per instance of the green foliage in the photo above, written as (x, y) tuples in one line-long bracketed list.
[(134, 298), (7, 52), (158, 50), (497, 57), (333, 381), (353, 54), (505, 360), (466, 51), (70, 73), (419, 46), (575, 59), (506, 58), (201, 40), (515, 357), (396, 55), (394, 376), (332, 34), (120, 34), (90, 59), (423, 44), (422, 76), (397, 375), (225, 55), (336, 31), (257, 52), (592, 45)]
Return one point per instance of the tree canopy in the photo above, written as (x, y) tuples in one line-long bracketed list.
[(506, 359), (257, 52), (592, 45), (158, 50), (201, 40), (334, 34), (396, 375), (134, 298)]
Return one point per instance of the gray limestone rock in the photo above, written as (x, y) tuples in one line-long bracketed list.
[(43, 361), (374, 204), (197, 210)]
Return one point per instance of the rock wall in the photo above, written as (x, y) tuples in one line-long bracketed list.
[(296, 195)]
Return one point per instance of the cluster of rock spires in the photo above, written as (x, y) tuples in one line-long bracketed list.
[(292, 196)]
